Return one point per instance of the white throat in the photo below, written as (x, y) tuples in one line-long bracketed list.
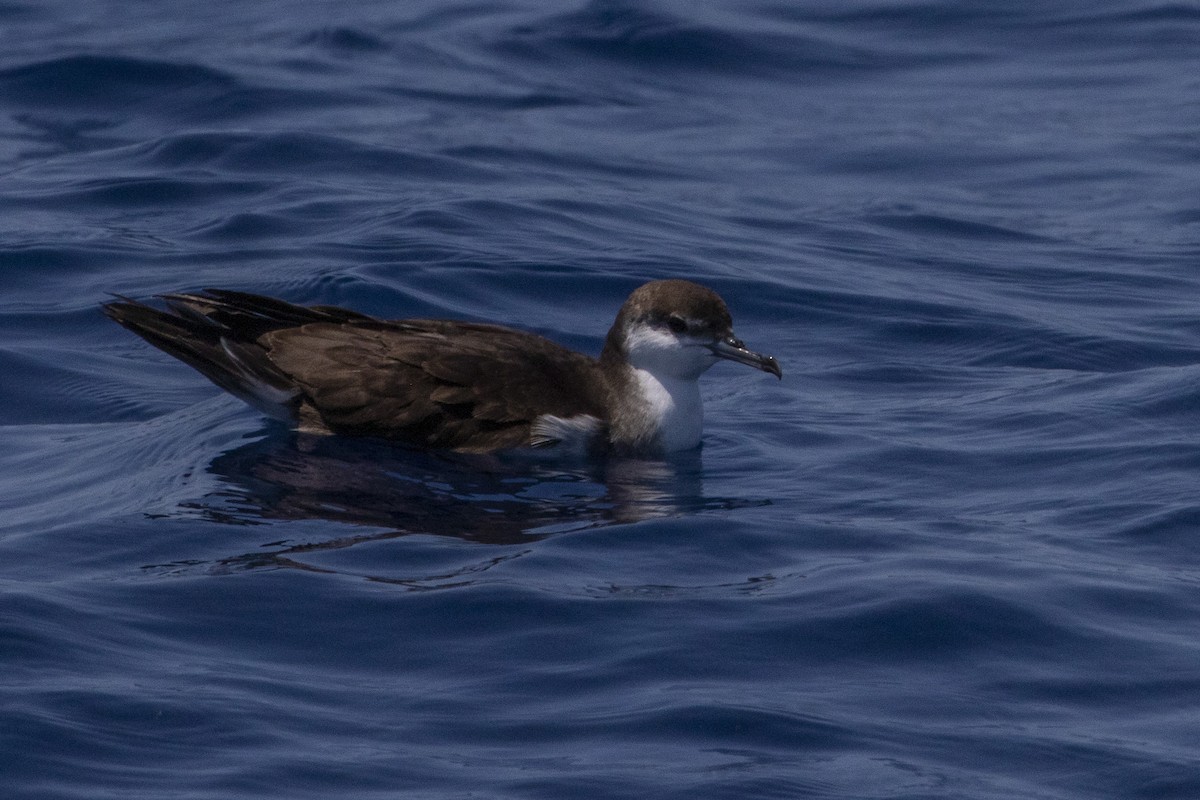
[(663, 410), (669, 409)]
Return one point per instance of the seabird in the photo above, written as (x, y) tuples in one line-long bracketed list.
[(464, 386)]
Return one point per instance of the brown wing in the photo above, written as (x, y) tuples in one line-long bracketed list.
[(458, 385)]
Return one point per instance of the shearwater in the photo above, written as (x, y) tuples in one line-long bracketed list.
[(465, 386)]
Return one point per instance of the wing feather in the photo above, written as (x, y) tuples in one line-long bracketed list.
[(465, 386)]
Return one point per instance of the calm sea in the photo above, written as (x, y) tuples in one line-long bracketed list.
[(953, 554)]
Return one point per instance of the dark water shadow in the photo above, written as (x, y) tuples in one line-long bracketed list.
[(392, 492)]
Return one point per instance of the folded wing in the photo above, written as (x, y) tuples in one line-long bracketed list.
[(436, 383)]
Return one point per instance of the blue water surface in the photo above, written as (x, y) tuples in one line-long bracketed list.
[(952, 555)]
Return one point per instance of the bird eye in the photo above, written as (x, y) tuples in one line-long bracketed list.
[(676, 323)]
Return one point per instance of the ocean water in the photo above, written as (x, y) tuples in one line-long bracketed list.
[(953, 554)]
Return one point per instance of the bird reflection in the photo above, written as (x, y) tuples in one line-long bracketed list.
[(391, 491)]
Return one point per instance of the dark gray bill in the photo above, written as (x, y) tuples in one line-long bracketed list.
[(734, 349)]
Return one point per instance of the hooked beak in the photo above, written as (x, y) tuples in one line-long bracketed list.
[(734, 349)]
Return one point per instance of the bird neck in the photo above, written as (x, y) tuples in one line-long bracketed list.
[(652, 413)]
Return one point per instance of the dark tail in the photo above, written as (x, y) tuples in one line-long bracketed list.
[(217, 334)]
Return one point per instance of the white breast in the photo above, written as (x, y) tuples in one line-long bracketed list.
[(670, 406)]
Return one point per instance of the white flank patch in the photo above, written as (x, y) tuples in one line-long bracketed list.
[(567, 433)]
